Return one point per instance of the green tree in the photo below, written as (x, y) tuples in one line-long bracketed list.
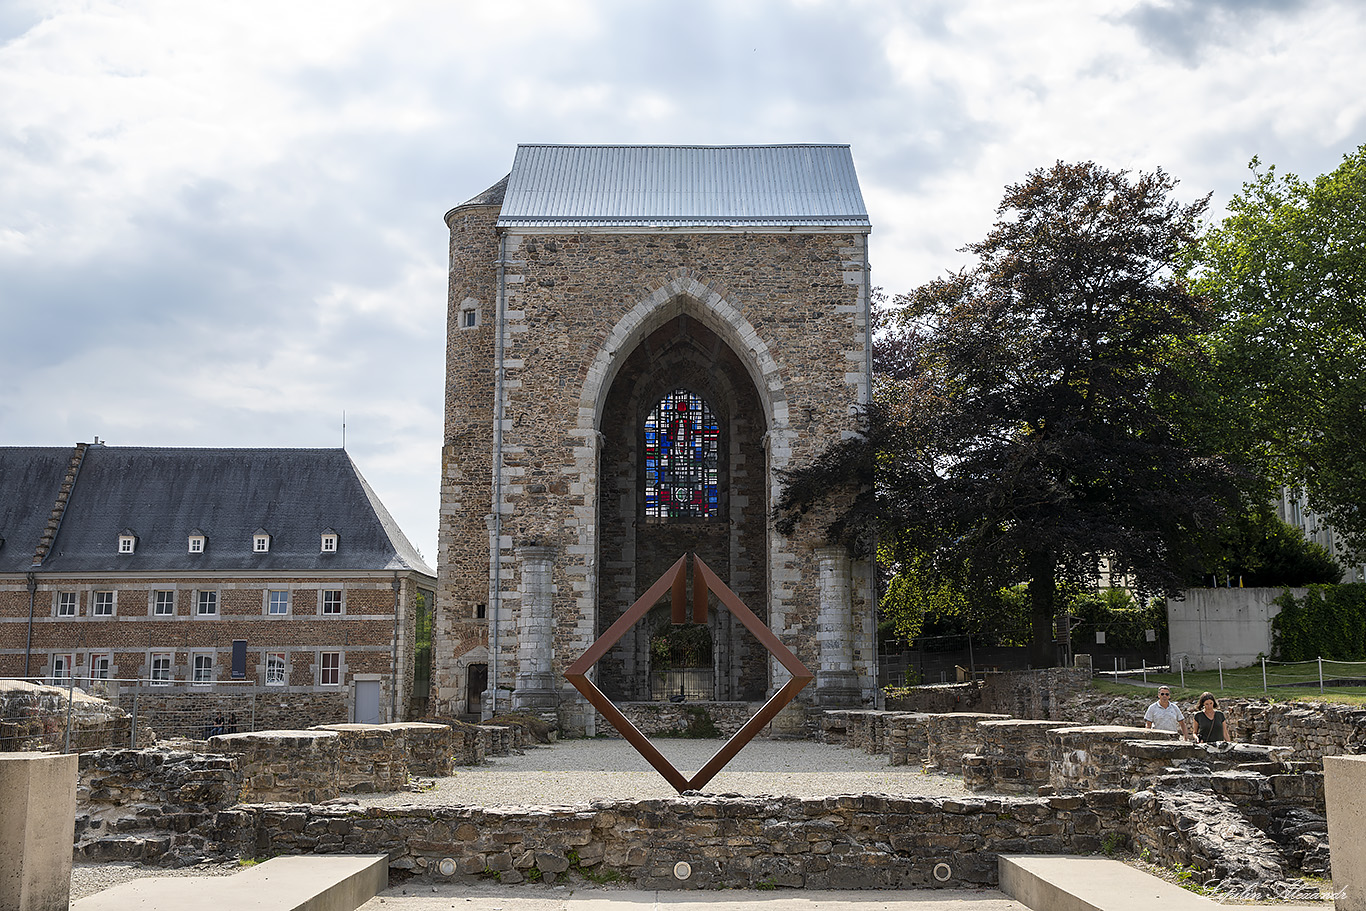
[(1255, 548), (1024, 428), (1287, 270)]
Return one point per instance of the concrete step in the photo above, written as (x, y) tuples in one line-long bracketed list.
[(1068, 883), (1052, 882), (314, 882)]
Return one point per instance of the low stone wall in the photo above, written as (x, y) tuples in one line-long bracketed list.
[(495, 739), (285, 765), (936, 699), (151, 805), (908, 738), (1141, 762), (1014, 757), (430, 749), (374, 758), (953, 735), (686, 719), (1092, 756), (837, 842), (1040, 694)]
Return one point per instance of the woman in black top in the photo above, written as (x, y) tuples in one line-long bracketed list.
[(1210, 725)]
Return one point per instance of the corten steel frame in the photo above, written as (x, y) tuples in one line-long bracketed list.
[(704, 581)]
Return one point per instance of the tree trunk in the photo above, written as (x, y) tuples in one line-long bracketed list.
[(1043, 587)]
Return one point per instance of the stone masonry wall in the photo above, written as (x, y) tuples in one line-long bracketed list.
[(837, 842), (373, 758), (688, 718), (1014, 757), (285, 765), (953, 735)]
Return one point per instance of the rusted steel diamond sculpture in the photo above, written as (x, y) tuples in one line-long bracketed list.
[(704, 581)]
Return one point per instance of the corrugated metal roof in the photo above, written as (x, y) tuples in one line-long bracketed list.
[(683, 186)]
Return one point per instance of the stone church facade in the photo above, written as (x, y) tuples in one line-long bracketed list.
[(640, 339)]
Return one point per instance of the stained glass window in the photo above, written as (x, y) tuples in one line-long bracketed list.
[(681, 445)]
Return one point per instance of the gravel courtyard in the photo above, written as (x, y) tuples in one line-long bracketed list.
[(581, 771)]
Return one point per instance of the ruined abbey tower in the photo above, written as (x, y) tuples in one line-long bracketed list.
[(640, 338)]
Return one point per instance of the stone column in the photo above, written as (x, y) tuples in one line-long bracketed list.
[(536, 690), (1344, 786), (836, 680), (37, 825)]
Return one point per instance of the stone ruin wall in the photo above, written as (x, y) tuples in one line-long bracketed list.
[(867, 841)]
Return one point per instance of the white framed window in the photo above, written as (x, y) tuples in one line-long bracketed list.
[(161, 668), (99, 666), (197, 543), (260, 543), (329, 543), (202, 668), (332, 601), (61, 670), (102, 604), (163, 604), (469, 313), (206, 603), (277, 603), (276, 673), (329, 668), (127, 543), (66, 604)]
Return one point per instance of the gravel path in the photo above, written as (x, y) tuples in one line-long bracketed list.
[(581, 771)]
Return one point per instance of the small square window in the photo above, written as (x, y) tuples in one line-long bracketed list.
[(102, 605), (332, 601), (197, 544), (127, 543), (163, 604), (329, 544), (66, 604), (329, 668), (99, 667), (207, 603), (275, 669), (279, 603), (469, 319), (161, 669), (203, 669), (260, 544)]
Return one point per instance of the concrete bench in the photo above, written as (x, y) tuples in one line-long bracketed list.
[(1070, 883), (309, 882)]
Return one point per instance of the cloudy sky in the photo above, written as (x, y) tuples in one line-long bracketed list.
[(221, 223)]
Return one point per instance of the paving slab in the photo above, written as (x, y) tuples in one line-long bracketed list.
[(318, 882), (492, 897)]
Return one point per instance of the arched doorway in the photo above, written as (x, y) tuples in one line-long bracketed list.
[(682, 468)]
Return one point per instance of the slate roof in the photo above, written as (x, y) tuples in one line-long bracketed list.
[(741, 187), (164, 495)]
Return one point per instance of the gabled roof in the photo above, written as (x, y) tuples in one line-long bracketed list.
[(224, 494), (643, 187)]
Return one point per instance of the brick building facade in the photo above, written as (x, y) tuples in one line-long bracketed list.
[(640, 339), (274, 574)]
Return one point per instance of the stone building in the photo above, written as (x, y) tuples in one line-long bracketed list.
[(172, 574), (640, 339)]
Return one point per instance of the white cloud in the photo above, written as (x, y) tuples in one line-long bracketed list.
[(220, 224)]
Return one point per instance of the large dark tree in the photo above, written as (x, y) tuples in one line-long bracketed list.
[(1028, 423)]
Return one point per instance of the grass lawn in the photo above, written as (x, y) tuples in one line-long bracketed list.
[(1284, 683)]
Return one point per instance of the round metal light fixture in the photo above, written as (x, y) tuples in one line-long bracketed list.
[(943, 872), (682, 870), (447, 866)]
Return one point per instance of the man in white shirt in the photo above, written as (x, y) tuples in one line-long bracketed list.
[(1163, 716)]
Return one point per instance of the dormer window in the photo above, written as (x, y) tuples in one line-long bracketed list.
[(128, 542), (329, 544), (260, 542), (198, 542)]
